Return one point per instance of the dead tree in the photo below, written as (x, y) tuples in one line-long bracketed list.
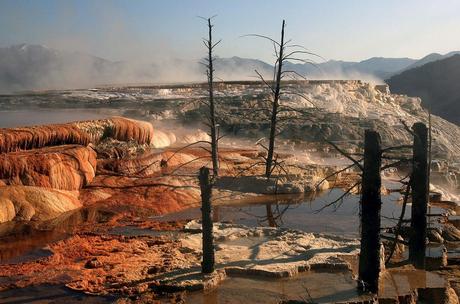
[(420, 188), (207, 265), (209, 64), (371, 203), (211, 109), (275, 105), (398, 228), (284, 52)]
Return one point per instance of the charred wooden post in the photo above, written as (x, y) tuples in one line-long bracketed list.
[(371, 203), (420, 188), (207, 265)]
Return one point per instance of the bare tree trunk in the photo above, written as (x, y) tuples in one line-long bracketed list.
[(371, 203), (420, 188), (207, 265), (212, 114), (273, 121)]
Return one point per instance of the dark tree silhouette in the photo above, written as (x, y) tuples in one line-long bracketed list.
[(284, 52), (420, 189), (207, 265), (209, 64), (275, 105), (369, 258)]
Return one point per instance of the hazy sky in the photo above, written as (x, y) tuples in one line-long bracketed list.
[(149, 29)]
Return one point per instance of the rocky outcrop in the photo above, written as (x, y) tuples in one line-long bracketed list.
[(153, 195), (450, 233), (15, 139), (436, 83), (65, 167), (59, 157), (24, 203), (118, 262), (125, 129), (81, 133), (337, 110), (148, 163)]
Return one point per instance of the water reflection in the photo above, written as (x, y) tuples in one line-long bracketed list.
[(23, 241), (323, 288), (297, 212), (270, 218), (319, 287), (51, 294)]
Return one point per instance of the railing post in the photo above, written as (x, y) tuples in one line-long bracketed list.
[(371, 203), (420, 188), (207, 265)]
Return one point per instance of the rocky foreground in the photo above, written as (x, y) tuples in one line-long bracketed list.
[(148, 262), (44, 169)]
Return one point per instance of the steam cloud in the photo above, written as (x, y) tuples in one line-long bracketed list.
[(34, 67), (67, 63)]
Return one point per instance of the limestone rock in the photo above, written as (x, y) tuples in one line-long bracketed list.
[(129, 129), (435, 236), (153, 195), (15, 139), (450, 233), (35, 203), (7, 212), (435, 257), (63, 167), (145, 164), (81, 133), (260, 185), (271, 252)]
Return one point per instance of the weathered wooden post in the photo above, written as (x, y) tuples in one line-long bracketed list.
[(207, 265), (371, 203), (420, 188)]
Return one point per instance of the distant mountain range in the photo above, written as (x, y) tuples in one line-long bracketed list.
[(376, 68), (36, 67), (429, 58), (436, 82)]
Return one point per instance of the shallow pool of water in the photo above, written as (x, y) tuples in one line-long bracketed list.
[(321, 287), (24, 241), (50, 294), (340, 219), (317, 287)]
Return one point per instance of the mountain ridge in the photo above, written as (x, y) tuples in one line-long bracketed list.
[(436, 83), (36, 67)]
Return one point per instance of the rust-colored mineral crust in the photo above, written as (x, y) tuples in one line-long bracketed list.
[(24, 203), (67, 167), (81, 133)]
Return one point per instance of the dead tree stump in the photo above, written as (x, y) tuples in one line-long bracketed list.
[(371, 203), (420, 189), (207, 265)]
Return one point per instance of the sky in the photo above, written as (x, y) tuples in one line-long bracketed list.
[(149, 30)]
